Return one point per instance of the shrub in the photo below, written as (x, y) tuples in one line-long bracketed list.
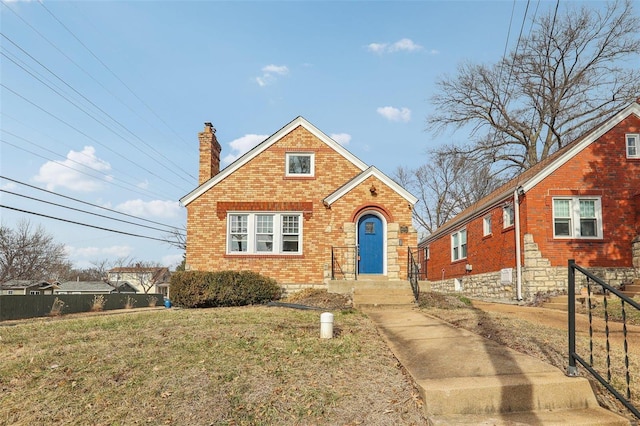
[(197, 289), (98, 303)]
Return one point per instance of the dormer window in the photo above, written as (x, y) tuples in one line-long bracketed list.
[(300, 164), (633, 145)]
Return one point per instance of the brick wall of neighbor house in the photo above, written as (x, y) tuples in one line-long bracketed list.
[(601, 169), (484, 253), (261, 184)]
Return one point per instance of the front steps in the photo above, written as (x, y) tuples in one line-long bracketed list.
[(374, 291), (561, 303)]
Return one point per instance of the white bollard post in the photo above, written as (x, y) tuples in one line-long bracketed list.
[(326, 325)]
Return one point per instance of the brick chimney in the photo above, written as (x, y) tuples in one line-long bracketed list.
[(209, 154)]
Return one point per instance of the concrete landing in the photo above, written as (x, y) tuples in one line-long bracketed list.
[(466, 379)]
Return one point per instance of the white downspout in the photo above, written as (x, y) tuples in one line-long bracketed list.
[(516, 213)]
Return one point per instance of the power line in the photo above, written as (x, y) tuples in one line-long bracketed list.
[(84, 224), (95, 106), (88, 74), (83, 211), (80, 171), (84, 202), (111, 71), (88, 136)]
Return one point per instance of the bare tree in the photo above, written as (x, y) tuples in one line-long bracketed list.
[(29, 253), (445, 185), (145, 274), (572, 70)]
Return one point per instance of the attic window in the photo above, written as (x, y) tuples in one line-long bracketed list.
[(633, 145), (300, 164)]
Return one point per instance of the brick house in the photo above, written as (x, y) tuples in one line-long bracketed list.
[(583, 202), (295, 208)]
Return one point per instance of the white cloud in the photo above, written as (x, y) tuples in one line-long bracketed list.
[(156, 208), (342, 138), (403, 45), (143, 185), (171, 260), (395, 114), (270, 74), (9, 186), (96, 253), (241, 145), (70, 172)]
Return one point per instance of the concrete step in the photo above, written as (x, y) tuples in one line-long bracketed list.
[(507, 393), (632, 289), (361, 301), (583, 417)]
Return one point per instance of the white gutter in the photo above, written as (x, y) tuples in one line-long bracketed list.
[(516, 213)]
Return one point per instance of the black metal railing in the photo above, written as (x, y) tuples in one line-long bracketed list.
[(413, 273), (344, 263), (592, 282)]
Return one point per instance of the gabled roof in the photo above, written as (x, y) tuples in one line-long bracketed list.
[(361, 177), (299, 121), (86, 286), (534, 175), (24, 284)]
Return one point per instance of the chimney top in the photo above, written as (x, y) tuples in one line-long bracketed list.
[(208, 127)]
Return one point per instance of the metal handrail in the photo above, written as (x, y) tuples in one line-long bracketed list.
[(572, 369), (413, 271), (344, 262)]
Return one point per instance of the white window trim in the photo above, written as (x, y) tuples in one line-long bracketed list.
[(636, 137), (575, 218), (486, 226), (459, 247), (312, 171), (505, 216), (277, 234)]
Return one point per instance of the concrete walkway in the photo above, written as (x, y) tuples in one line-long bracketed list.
[(467, 379)]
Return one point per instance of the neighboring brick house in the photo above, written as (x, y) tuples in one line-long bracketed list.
[(581, 203), (285, 206), (142, 279)]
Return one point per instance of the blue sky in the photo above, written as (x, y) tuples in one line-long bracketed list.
[(102, 101)]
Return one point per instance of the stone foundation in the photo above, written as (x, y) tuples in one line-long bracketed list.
[(538, 277)]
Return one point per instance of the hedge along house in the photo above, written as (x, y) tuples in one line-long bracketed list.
[(581, 203), (298, 208)]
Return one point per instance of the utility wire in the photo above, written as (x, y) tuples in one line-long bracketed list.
[(90, 137), (110, 70), (85, 224), (87, 73), (97, 107), (82, 211), (79, 171), (84, 202)]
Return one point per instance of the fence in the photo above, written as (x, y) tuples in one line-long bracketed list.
[(344, 263), (14, 307), (620, 388), (413, 272)]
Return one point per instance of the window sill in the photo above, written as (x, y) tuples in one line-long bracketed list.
[(263, 256), (508, 228)]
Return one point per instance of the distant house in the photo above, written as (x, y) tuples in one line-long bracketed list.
[(93, 287), (298, 208), (142, 279), (27, 287), (582, 203)]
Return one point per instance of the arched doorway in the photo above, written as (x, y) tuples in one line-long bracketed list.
[(371, 244)]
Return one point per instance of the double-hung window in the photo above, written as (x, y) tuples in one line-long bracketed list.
[(486, 225), (264, 233), (633, 145), (300, 164), (577, 217), (508, 216), (459, 245)]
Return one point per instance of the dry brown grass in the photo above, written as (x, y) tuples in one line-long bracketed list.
[(223, 366)]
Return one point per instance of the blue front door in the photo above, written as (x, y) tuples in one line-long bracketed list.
[(370, 242)]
